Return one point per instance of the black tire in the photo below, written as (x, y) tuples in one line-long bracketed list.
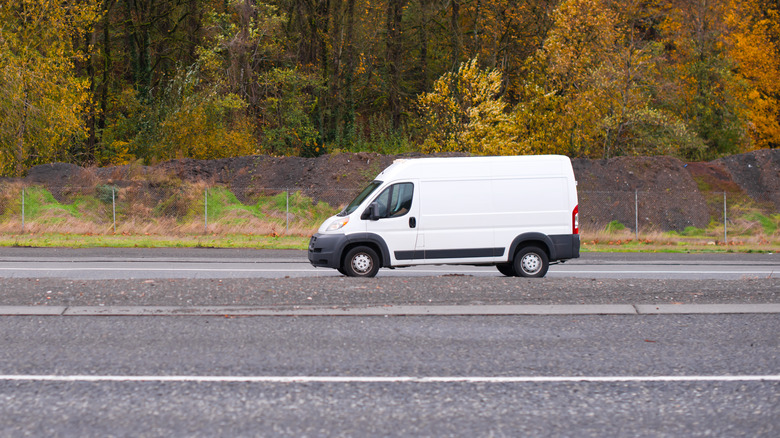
[(507, 269), (361, 261), (531, 262)]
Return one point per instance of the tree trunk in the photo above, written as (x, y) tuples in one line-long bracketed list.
[(349, 71), (20, 137), (394, 16), (334, 82), (455, 35), (89, 153)]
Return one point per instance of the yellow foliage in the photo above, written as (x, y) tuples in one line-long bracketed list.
[(464, 113), (120, 154), (42, 101), (753, 45), (589, 90), (206, 128)]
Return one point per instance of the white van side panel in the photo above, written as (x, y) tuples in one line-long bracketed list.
[(489, 213), (452, 214), (523, 205)]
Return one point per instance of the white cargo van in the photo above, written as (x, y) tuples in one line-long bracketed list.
[(517, 213)]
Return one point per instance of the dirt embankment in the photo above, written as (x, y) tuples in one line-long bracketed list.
[(670, 193)]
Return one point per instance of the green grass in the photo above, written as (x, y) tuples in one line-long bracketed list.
[(120, 241), (300, 242), (38, 201), (689, 232), (174, 211), (769, 224)]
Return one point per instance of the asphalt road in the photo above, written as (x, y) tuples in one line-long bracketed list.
[(104, 263), (577, 370), (683, 375)]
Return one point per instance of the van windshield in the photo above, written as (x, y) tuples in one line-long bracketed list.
[(360, 198)]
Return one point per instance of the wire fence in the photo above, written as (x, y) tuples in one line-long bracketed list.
[(197, 208), (712, 214)]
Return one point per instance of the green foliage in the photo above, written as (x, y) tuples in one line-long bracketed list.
[(375, 134), (692, 231), (286, 108), (224, 207), (106, 193), (614, 227)]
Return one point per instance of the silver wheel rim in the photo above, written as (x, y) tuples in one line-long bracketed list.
[(361, 263), (531, 263)]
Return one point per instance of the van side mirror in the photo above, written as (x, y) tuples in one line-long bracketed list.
[(372, 212)]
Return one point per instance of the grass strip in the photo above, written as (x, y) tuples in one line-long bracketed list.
[(151, 241), (57, 240)]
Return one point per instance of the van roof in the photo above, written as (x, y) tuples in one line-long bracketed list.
[(477, 167)]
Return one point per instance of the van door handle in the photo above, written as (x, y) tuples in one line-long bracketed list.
[(412, 222)]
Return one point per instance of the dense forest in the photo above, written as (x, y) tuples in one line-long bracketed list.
[(98, 82)]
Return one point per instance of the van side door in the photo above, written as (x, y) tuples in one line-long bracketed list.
[(457, 221)]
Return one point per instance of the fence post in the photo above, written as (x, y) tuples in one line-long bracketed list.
[(725, 221), (636, 213), (22, 210), (287, 227), (206, 210), (113, 205)]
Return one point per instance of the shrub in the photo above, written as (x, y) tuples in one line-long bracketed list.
[(614, 227)]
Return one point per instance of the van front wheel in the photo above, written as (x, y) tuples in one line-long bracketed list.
[(361, 261), (507, 269), (531, 262)]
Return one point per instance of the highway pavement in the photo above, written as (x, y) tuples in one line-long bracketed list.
[(110, 263), (110, 342), (577, 375)]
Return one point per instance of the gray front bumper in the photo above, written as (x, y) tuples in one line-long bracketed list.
[(325, 250)]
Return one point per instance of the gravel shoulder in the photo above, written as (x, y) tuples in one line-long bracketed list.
[(342, 291), (397, 291)]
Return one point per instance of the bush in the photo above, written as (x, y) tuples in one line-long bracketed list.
[(614, 227)]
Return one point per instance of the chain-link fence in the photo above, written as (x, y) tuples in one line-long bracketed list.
[(166, 209), (711, 214), (196, 208)]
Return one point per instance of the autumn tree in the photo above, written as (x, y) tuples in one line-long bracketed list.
[(42, 101), (699, 82), (504, 34), (465, 113), (590, 90), (754, 46)]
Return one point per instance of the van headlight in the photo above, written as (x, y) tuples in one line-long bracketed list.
[(337, 224)]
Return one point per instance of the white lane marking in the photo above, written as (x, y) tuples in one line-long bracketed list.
[(390, 379), (563, 271), (155, 269)]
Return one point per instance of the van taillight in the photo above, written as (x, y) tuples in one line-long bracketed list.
[(575, 220)]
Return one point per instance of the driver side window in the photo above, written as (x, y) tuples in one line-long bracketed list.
[(396, 200)]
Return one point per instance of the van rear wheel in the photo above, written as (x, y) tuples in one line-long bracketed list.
[(361, 261), (531, 262)]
